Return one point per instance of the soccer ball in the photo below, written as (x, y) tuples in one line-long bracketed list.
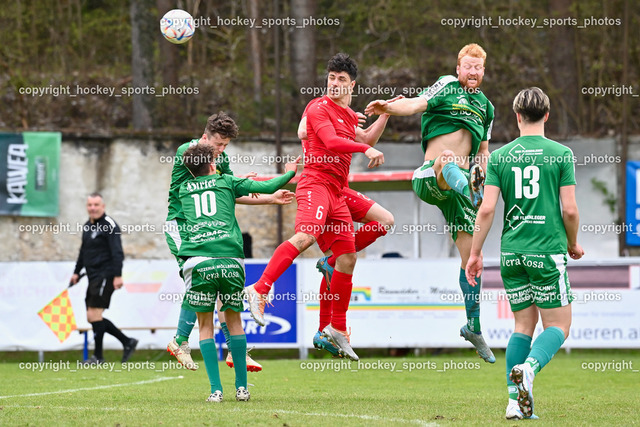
[(177, 26)]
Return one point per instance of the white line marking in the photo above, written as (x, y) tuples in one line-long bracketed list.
[(243, 410), (324, 414), (100, 387), (79, 408)]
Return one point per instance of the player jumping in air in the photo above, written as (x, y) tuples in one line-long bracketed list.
[(322, 209), (540, 226), (375, 219), (213, 256), (456, 128), (219, 131)]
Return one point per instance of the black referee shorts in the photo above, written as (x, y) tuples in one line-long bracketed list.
[(99, 293)]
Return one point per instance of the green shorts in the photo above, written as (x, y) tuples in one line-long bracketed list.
[(535, 279), (210, 278), (456, 208)]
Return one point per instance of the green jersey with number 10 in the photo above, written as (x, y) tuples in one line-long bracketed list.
[(180, 174), (208, 204), (529, 172), (209, 209)]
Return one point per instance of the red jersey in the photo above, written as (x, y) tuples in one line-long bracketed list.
[(323, 112)]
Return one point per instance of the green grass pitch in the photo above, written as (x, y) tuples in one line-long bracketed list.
[(427, 390)]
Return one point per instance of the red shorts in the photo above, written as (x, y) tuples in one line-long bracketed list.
[(322, 212), (358, 203)]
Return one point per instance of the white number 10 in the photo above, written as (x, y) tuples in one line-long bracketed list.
[(206, 204)]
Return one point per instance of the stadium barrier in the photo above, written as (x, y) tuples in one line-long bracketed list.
[(395, 303)]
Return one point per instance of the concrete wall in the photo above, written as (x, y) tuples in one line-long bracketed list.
[(133, 176)]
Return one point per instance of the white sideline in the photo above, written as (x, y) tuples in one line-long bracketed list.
[(77, 408), (243, 410), (326, 414), (100, 387)]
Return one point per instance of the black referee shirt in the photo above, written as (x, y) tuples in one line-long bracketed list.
[(101, 251)]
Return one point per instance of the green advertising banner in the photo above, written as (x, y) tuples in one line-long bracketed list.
[(29, 164)]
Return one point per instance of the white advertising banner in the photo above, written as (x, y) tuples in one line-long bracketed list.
[(395, 303), (144, 302), (417, 303)]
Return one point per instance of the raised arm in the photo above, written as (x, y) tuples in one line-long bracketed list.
[(280, 197), (327, 134), (272, 185), (400, 107), (372, 134)]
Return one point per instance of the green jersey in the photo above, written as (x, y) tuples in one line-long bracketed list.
[(180, 174), (451, 107), (529, 172), (208, 205)]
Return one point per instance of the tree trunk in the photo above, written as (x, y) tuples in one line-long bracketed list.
[(170, 64), (144, 27), (564, 73), (255, 58), (303, 51), (168, 51)]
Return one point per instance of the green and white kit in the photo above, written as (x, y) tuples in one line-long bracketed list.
[(530, 172)]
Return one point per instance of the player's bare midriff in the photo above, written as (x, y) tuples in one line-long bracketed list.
[(459, 142)]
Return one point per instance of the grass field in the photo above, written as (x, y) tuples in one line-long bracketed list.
[(439, 390)]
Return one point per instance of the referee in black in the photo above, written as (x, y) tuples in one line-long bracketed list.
[(101, 255)]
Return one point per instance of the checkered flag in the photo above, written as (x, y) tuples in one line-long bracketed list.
[(58, 316)]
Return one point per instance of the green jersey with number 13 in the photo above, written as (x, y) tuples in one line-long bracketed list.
[(529, 172)]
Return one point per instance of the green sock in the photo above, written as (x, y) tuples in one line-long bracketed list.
[(453, 176), (474, 324), (545, 347), (238, 349), (181, 338), (210, 356), (471, 295), (225, 331), (518, 349), (186, 322)]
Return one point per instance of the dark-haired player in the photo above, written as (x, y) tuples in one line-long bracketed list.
[(220, 129), (375, 219), (322, 209), (213, 268)]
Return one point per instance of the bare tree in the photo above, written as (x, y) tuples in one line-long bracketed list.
[(564, 71), (144, 26), (168, 51), (255, 57), (303, 49)]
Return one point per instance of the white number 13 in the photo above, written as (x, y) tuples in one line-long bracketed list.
[(531, 173)]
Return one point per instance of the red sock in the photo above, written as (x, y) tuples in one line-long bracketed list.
[(281, 260), (369, 233), (341, 284), (332, 260), (325, 305), (366, 235)]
